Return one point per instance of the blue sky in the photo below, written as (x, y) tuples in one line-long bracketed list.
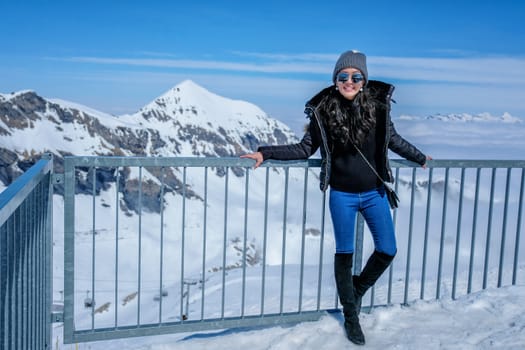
[(117, 56)]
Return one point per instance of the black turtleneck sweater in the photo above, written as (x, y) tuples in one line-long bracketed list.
[(350, 173)]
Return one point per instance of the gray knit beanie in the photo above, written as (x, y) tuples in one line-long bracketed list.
[(353, 59)]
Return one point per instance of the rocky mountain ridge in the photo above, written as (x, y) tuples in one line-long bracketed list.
[(186, 121)]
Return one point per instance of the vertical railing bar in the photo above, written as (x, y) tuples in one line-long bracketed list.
[(34, 226), (31, 326), (94, 232), (391, 267), (303, 231), (359, 229), (443, 230), (425, 239), (183, 244), (489, 228), (22, 284), (41, 231), (139, 269), (4, 292), (245, 245), (40, 228), (161, 262), (14, 286), (10, 303), (458, 233), (204, 237), (37, 227), (22, 292), (265, 238), (25, 290), (283, 255), (504, 228), (410, 232), (48, 228), (25, 227), (474, 225), (117, 184), (518, 228), (321, 252), (49, 232), (9, 285), (8, 256), (224, 243), (18, 303), (18, 278), (3, 281), (32, 220), (69, 249)]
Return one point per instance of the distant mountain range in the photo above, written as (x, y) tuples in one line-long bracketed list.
[(465, 117)]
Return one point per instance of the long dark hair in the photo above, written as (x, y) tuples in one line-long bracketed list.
[(349, 121)]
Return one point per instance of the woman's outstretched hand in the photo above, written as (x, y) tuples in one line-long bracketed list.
[(424, 166), (257, 156)]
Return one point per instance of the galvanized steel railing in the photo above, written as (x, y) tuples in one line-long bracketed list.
[(270, 260), (25, 266)]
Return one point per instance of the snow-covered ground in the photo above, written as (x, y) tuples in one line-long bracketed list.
[(490, 319)]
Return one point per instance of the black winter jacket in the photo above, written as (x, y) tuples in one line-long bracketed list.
[(316, 136)]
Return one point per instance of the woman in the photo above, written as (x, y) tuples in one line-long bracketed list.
[(350, 123)]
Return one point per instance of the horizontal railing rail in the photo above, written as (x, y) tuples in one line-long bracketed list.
[(169, 244), (26, 259)]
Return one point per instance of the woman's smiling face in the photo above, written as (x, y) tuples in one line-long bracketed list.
[(349, 89)]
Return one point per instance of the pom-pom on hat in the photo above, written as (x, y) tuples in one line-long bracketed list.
[(353, 59)]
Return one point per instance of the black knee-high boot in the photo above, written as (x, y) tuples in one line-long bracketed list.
[(345, 289), (374, 268)]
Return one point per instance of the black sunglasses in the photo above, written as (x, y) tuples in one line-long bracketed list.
[(343, 77)]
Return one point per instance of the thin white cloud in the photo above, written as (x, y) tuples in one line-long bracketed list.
[(325, 58), (501, 70), (266, 67), (469, 70)]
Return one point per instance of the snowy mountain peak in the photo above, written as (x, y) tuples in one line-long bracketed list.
[(185, 93), (214, 125), (191, 103)]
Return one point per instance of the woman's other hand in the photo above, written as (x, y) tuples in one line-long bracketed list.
[(257, 156), (424, 166)]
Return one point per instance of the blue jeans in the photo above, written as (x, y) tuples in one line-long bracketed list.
[(375, 209)]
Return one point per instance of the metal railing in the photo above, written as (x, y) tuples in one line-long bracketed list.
[(26, 259), (187, 244)]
